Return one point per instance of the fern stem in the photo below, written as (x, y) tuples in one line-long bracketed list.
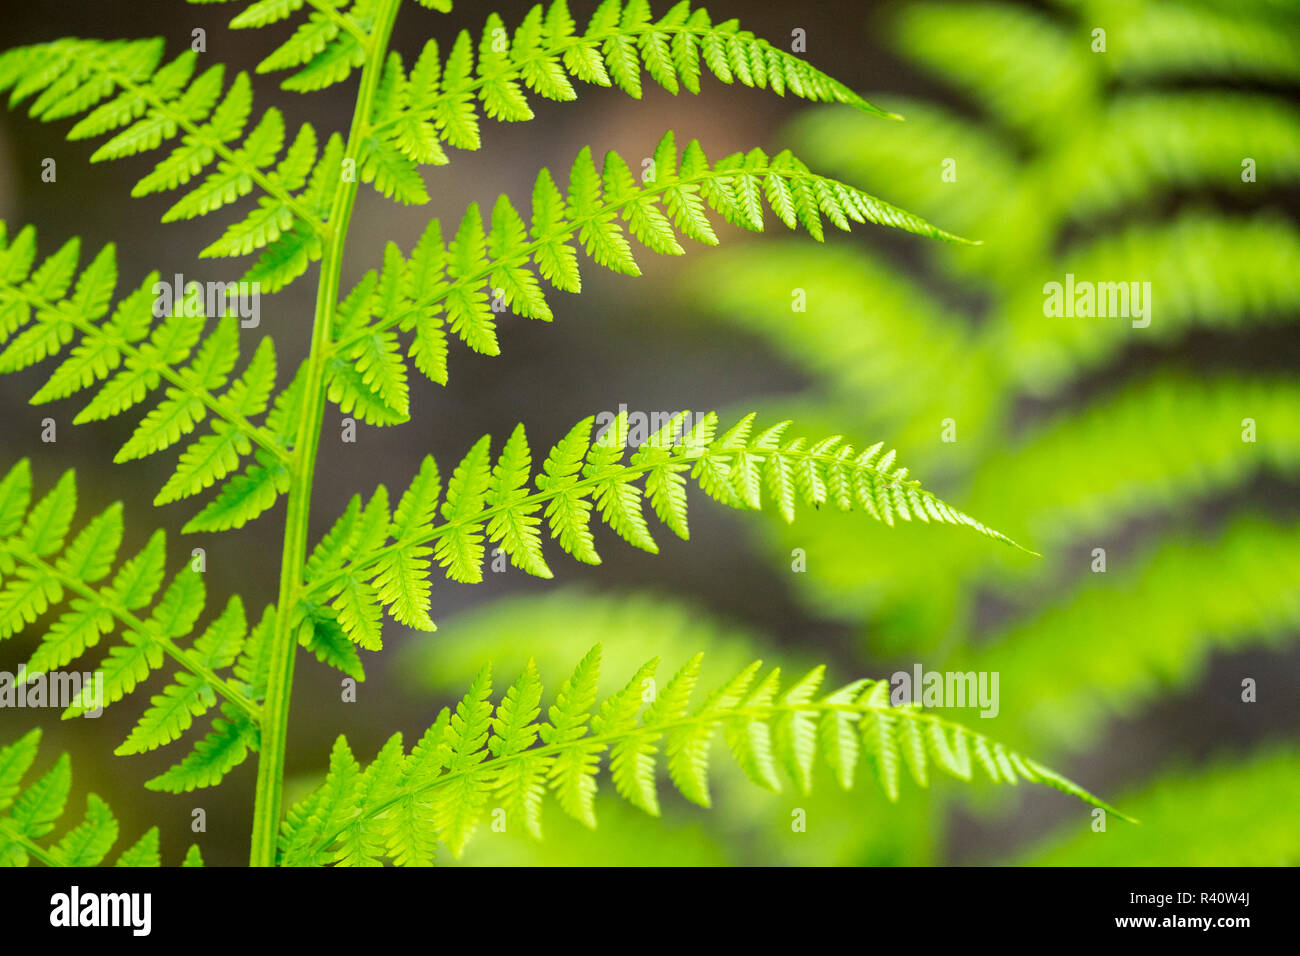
[(143, 628), (270, 766), (35, 849)]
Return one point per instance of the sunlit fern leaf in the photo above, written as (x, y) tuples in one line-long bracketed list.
[(150, 342), (42, 571), (438, 102), (1019, 48), (1150, 144), (1227, 273), (28, 815), (325, 46), (459, 288), (487, 755), (372, 560), (224, 151)]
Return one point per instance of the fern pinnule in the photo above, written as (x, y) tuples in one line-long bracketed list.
[(28, 815), (399, 806)]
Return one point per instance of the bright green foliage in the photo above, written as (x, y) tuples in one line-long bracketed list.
[(124, 88), (261, 442), (327, 45), (891, 345), (515, 753), (29, 814), (372, 560), (125, 84), (41, 570), (460, 286), (438, 102), (1246, 795), (140, 348), (1147, 462), (1114, 643)]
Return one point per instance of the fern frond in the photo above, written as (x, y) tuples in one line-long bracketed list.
[(440, 101), (134, 351), (513, 755), (40, 571), (460, 288), (28, 815), (120, 84), (368, 561)]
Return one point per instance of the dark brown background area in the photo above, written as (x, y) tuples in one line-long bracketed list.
[(624, 340)]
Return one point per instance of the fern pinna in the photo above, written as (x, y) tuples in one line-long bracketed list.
[(263, 428)]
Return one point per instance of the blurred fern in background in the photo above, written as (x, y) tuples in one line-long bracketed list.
[(1118, 141)]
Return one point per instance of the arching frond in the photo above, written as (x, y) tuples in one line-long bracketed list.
[(401, 805), (986, 177), (462, 286), (360, 571), (438, 102), (1148, 144), (150, 341), (40, 570), (557, 626), (29, 814)]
